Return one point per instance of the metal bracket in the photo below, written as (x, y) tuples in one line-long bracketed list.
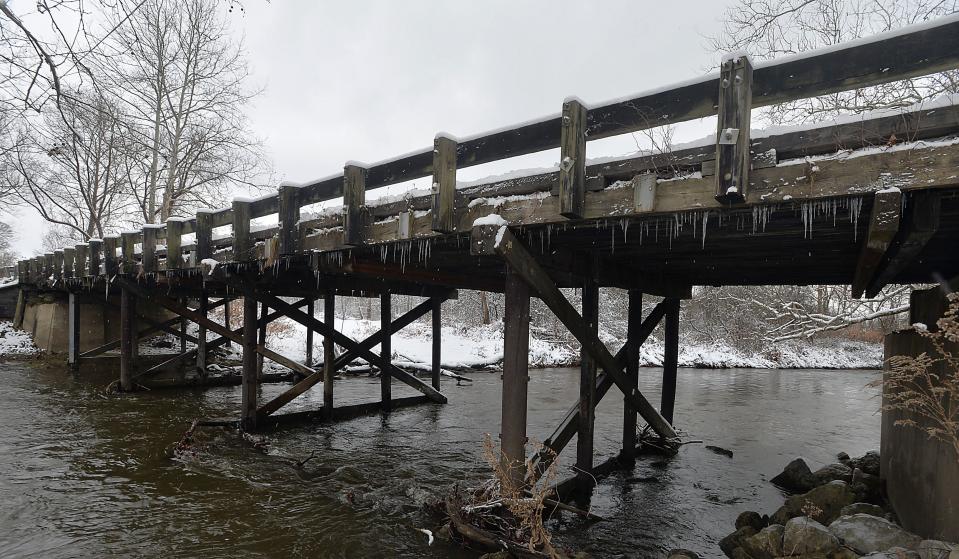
[(729, 136)]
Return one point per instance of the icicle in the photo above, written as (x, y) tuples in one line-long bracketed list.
[(705, 220)]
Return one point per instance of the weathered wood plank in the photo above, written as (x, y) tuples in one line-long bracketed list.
[(732, 133), (444, 183), (883, 226), (572, 166), (515, 377), (919, 224), (354, 200)]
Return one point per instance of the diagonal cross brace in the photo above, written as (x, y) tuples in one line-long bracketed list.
[(305, 384), (215, 327), (554, 445), (345, 341), (496, 239)]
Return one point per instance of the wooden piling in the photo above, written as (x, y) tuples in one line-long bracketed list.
[(329, 308), (249, 382), (227, 322), (261, 339), (732, 129), (587, 387), (670, 360), (386, 357), (201, 347), (572, 167), (127, 338), (515, 377), (95, 249), (634, 322), (437, 341), (354, 200), (444, 184), (73, 331), (311, 310)]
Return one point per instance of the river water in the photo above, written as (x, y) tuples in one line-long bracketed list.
[(83, 474)]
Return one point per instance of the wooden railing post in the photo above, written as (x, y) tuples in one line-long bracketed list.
[(95, 248), (80, 260), (354, 200), (128, 241), (68, 258), (732, 129), (174, 242), (204, 235), (57, 264), (444, 183), (110, 266), (289, 218), (148, 248), (242, 241), (572, 159)]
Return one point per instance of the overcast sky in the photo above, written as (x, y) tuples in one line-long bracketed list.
[(369, 80)]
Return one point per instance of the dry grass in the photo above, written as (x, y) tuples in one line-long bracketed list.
[(927, 385)]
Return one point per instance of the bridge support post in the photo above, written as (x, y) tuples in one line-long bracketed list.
[(73, 331), (310, 310), (437, 341), (670, 360), (386, 318), (587, 388), (515, 377), (329, 308), (227, 322), (634, 323), (201, 348), (249, 383), (127, 338), (261, 338)]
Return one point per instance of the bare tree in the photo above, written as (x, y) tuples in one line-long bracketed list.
[(182, 79), (8, 256), (774, 28)]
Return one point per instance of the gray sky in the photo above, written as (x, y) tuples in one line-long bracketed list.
[(369, 80)]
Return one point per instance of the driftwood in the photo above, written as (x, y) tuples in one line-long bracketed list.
[(483, 538)]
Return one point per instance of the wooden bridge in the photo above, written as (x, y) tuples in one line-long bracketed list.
[(866, 201)]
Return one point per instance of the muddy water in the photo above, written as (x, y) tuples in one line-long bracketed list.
[(86, 475)]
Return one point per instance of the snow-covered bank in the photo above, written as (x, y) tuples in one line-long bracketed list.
[(476, 346), (15, 342)]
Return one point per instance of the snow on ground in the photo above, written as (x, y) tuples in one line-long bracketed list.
[(475, 346), (15, 342)]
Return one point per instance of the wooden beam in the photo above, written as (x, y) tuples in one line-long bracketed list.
[(587, 385), (883, 226), (310, 310), (515, 377), (148, 260), (444, 184), (128, 241), (95, 252), (386, 349), (57, 264), (732, 134), (920, 224), (670, 360), (202, 347), (110, 264), (127, 338), (73, 331), (289, 218), (69, 267), (261, 338), (634, 323), (499, 240), (354, 200), (250, 384), (242, 241), (329, 318), (572, 166), (174, 243), (437, 340), (204, 235)]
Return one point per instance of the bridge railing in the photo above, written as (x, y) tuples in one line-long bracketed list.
[(731, 94)]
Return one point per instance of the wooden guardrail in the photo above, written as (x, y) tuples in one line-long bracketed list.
[(730, 94)]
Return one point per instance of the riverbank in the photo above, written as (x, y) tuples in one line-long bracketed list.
[(479, 347)]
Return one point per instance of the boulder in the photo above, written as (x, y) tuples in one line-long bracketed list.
[(796, 477), (935, 549), (865, 533), (736, 539), (833, 472), (682, 554), (843, 457), (738, 553), (863, 508), (803, 535), (868, 463), (844, 553), (822, 504), (894, 553), (867, 486), (766, 544), (750, 518)]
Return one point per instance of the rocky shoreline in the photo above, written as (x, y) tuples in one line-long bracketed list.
[(836, 512)]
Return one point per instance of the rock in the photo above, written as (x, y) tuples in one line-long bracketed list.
[(894, 553), (935, 549), (822, 504), (844, 553), (868, 463), (736, 539), (766, 544), (868, 534), (833, 472), (682, 554), (796, 477), (863, 508), (497, 555), (738, 553), (867, 487), (843, 457), (750, 518), (803, 535)]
